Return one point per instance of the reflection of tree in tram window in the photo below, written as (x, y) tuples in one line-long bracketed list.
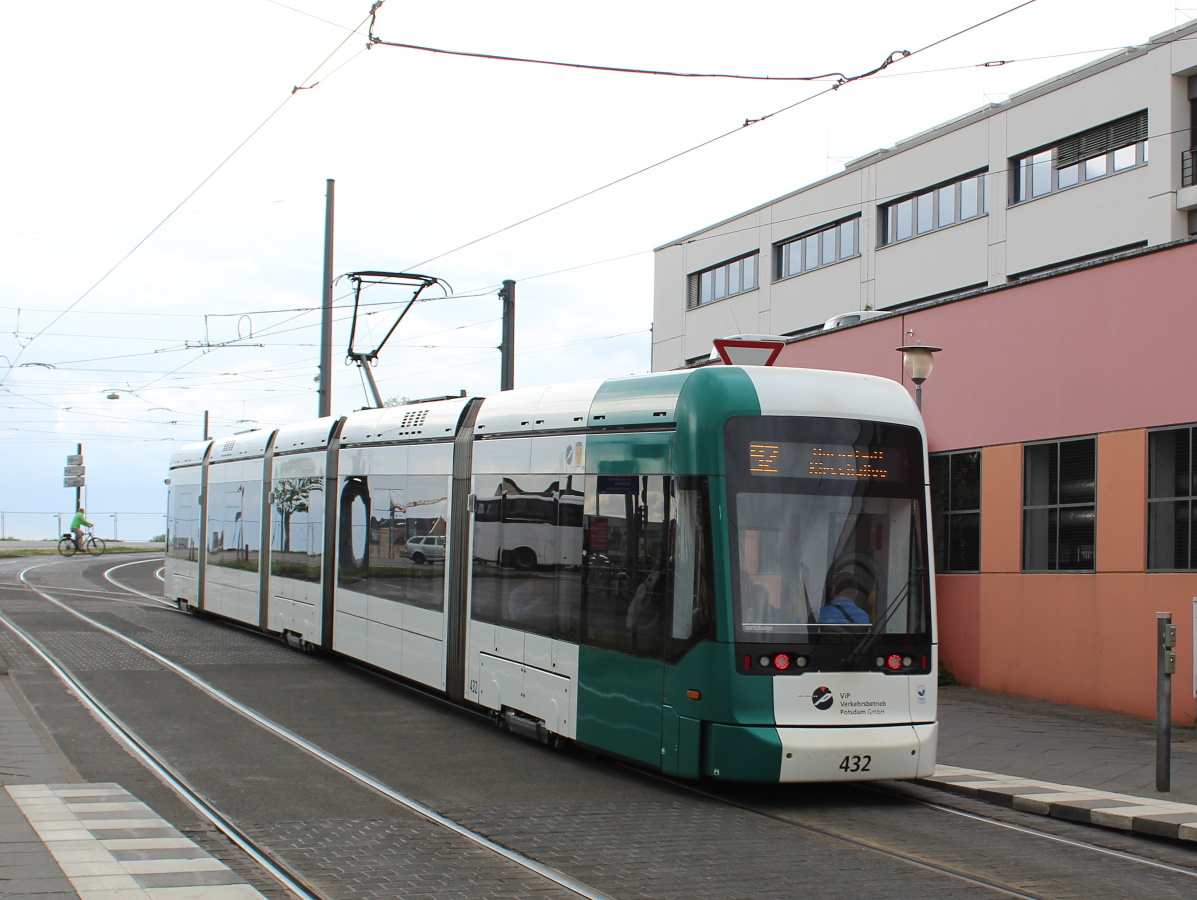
[(292, 497)]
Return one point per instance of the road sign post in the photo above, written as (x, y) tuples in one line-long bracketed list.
[(74, 474)]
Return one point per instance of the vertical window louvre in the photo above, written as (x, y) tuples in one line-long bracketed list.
[(1170, 494), (956, 510), (1060, 505)]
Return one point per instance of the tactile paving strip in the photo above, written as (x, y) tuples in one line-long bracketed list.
[(1162, 818), (109, 844)]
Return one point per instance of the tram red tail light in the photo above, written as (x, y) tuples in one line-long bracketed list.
[(893, 661), (781, 661)]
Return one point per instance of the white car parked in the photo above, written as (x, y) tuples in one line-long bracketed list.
[(428, 548)]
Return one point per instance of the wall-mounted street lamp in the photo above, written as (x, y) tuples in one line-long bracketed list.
[(917, 362)]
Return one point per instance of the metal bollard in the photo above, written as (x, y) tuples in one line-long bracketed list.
[(1165, 668)]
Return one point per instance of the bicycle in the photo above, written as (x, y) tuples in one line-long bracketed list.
[(93, 545)]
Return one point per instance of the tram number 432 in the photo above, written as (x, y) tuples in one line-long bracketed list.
[(856, 763)]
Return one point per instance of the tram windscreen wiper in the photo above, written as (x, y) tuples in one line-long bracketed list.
[(862, 646)]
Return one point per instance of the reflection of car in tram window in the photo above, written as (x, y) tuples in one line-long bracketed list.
[(425, 549)]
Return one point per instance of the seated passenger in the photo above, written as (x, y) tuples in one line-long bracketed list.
[(845, 607)]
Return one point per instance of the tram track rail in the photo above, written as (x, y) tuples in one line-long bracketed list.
[(895, 792), (989, 821), (141, 750), (988, 884)]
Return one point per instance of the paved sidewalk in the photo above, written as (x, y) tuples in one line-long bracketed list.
[(1063, 761), (61, 839)]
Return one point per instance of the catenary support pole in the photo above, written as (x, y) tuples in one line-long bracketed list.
[(325, 391), (507, 348)]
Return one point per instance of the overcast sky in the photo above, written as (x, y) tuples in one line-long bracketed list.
[(117, 113)]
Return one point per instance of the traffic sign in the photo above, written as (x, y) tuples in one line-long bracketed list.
[(749, 350), (75, 459), (73, 470), (75, 481)]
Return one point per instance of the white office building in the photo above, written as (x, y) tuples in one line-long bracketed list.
[(1095, 162)]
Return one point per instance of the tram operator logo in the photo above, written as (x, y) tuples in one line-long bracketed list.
[(822, 698)]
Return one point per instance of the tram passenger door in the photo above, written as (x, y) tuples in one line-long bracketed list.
[(623, 614)]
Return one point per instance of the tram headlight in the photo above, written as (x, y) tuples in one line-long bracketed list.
[(781, 661), (894, 662), (765, 662)]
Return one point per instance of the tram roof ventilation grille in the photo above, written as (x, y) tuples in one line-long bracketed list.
[(410, 424)]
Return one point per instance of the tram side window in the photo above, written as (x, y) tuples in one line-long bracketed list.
[(380, 517), (235, 524), (527, 553), (297, 527), (691, 617), (183, 523), (646, 575), (596, 567)]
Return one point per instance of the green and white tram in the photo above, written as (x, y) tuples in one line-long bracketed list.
[(730, 576)]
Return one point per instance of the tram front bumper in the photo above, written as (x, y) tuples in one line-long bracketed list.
[(872, 753)]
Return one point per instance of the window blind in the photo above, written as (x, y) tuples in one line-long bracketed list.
[(1098, 141)]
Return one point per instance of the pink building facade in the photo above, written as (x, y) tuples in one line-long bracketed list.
[(1062, 415)]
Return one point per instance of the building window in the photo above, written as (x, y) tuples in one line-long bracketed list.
[(724, 280), (956, 510), (1088, 156), (816, 249), (1059, 506), (1171, 484), (935, 208)]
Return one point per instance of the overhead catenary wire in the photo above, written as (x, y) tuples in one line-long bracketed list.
[(179, 206), (839, 77), (528, 277), (747, 123)]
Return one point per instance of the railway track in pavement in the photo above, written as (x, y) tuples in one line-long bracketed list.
[(356, 785)]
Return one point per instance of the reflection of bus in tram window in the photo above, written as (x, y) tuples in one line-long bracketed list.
[(522, 528)]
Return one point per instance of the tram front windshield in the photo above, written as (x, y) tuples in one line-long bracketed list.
[(826, 525)]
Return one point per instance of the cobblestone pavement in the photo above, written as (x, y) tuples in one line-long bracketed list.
[(1042, 758)]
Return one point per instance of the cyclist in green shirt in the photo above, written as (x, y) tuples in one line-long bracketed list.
[(77, 524)]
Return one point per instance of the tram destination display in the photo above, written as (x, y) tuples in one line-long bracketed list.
[(790, 459)]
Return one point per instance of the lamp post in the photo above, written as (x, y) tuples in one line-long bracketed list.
[(917, 362)]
